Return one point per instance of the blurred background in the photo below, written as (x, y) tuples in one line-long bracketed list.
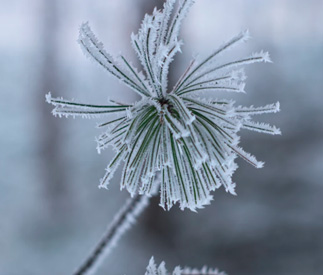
[(52, 212)]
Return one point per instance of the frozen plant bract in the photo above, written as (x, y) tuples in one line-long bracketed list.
[(189, 139)]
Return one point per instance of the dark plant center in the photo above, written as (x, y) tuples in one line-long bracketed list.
[(164, 101)]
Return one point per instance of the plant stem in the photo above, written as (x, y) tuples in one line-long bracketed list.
[(120, 224)]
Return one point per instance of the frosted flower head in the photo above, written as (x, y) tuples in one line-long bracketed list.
[(190, 140)]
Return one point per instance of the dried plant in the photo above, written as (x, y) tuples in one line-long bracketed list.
[(191, 140), (183, 134)]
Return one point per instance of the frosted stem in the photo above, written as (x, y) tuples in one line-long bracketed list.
[(120, 224)]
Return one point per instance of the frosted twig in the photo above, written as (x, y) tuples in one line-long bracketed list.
[(120, 224)]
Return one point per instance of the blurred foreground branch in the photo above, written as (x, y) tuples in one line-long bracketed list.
[(120, 224)]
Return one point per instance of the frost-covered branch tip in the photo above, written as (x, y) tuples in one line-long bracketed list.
[(183, 133), (152, 269)]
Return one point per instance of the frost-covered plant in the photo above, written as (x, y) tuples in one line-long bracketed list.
[(191, 140), (152, 269), (182, 135)]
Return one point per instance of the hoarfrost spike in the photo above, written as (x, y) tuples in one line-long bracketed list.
[(189, 139)]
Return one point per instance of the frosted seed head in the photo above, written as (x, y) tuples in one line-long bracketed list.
[(194, 134)]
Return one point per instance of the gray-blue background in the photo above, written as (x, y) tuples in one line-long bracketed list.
[(52, 212)]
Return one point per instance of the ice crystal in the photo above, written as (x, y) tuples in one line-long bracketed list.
[(189, 139), (152, 269)]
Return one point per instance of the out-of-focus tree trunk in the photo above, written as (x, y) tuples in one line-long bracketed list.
[(53, 165)]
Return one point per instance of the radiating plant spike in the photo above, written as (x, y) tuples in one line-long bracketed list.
[(189, 140)]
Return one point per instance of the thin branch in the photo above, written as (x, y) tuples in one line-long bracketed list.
[(121, 223)]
